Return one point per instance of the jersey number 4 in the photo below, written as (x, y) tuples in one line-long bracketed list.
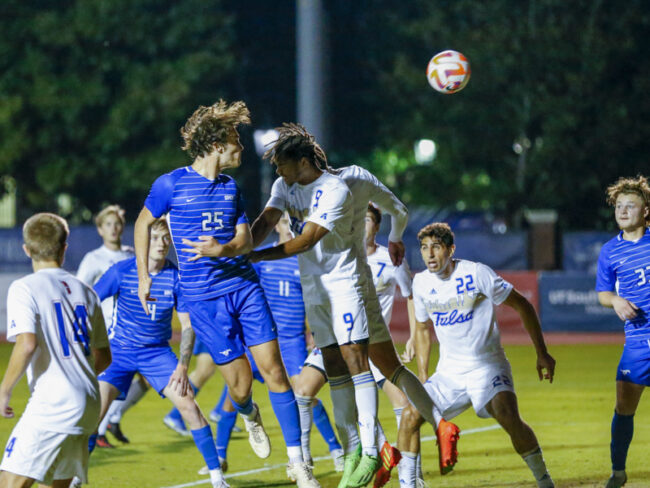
[(79, 328)]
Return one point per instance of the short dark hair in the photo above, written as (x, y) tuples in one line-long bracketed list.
[(376, 213), (294, 142), (210, 125), (45, 235), (440, 230)]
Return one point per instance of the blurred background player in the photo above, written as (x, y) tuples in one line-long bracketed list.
[(222, 291), (457, 297), (61, 342), (140, 341), (110, 226), (623, 283)]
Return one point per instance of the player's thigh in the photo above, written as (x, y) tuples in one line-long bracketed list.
[(628, 396), (319, 316), (377, 326), (38, 454), (254, 315), (448, 394), (238, 376), (157, 365), (12, 480), (107, 392), (268, 361), (349, 319), (119, 375), (294, 353), (484, 383)]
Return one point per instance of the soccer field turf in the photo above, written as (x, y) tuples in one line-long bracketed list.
[(571, 418)]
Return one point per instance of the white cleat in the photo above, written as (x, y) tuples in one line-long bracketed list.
[(204, 471), (76, 483), (302, 475), (420, 483), (257, 437), (338, 456), (220, 484)]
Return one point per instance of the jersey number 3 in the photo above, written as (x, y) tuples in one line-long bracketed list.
[(79, 328)]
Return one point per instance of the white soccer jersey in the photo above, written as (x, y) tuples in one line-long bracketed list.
[(65, 315), (386, 277), (365, 187), (331, 267), (94, 264), (461, 308)]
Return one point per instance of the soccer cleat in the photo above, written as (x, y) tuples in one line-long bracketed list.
[(447, 434), (102, 441), (177, 425), (350, 463), (339, 459), (365, 471), (236, 429), (214, 415), (76, 483), (257, 437), (545, 482), (302, 475), (616, 480), (221, 483), (117, 432), (390, 457), (420, 483)]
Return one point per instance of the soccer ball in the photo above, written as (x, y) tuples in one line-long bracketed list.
[(448, 72)]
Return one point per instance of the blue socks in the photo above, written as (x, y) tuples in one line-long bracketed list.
[(245, 408), (224, 430), (205, 444), (92, 442), (622, 431), (324, 426), (286, 410)]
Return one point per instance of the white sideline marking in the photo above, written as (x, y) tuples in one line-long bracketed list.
[(206, 481)]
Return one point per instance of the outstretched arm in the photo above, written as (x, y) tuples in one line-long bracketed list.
[(525, 309), (311, 234), (21, 355), (264, 224), (208, 246), (625, 309)]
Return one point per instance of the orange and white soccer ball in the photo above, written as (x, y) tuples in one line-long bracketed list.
[(448, 72)]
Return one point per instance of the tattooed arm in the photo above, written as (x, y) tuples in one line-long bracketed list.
[(179, 381)]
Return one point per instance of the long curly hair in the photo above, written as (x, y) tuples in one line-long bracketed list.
[(295, 142), (210, 125)]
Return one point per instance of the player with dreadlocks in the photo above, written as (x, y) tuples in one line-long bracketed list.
[(340, 300)]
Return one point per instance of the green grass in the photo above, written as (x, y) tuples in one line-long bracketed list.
[(571, 418)]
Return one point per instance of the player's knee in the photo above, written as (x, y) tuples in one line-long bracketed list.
[(411, 419)]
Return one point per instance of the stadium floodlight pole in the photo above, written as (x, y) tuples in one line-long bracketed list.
[(311, 68), (263, 138)]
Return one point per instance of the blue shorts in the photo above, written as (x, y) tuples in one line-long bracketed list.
[(156, 364), (227, 323), (294, 353), (199, 347), (634, 366)]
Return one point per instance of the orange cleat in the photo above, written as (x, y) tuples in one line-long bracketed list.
[(447, 434), (390, 457)]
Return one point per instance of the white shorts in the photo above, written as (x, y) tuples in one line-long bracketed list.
[(44, 455), (346, 319), (454, 393), (315, 360)]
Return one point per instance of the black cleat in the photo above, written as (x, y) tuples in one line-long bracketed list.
[(117, 433)]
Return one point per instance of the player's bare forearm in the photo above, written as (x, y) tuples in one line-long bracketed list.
[(21, 355), (422, 350), (103, 358), (311, 234), (624, 308), (187, 339), (141, 241), (264, 224), (409, 350)]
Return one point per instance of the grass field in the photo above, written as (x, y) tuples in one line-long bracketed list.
[(571, 418)]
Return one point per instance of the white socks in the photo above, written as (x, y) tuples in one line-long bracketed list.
[(306, 418), (406, 470), (365, 395), (345, 411), (535, 461), (406, 381)]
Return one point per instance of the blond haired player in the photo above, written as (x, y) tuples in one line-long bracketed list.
[(61, 342)]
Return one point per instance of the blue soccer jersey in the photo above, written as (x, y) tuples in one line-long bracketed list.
[(281, 282), (198, 206), (624, 268), (132, 327)]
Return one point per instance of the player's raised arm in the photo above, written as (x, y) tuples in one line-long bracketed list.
[(264, 224), (311, 234), (525, 309), (141, 242)]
